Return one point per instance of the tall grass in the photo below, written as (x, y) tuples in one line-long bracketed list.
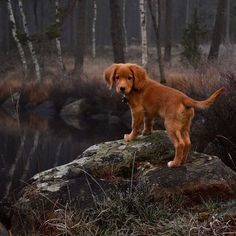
[(133, 214)]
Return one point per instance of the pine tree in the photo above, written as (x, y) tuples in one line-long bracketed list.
[(192, 36)]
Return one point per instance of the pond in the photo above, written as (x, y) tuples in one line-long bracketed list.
[(34, 143)]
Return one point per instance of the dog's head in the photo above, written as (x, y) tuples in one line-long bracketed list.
[(125, 77)]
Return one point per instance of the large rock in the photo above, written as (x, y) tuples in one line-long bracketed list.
[(76, 108), (109, 167)]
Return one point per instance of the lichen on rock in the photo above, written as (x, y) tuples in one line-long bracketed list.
[(112, 166)]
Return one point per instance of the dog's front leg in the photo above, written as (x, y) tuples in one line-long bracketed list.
[(137, 120), (148, 124)]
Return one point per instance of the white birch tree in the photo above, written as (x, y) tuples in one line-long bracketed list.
[(94, 28), (14, 34), (58, 41), (124, 26), (30, 44), (143, 24)]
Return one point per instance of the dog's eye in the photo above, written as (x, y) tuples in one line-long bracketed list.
[(130, 77), (117, 77)]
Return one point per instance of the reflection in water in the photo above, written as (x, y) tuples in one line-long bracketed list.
[(14, 164), (33, 144)]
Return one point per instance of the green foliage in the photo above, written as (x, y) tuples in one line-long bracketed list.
[(22, 37), (61, 13), (192, 36), (53, 31)]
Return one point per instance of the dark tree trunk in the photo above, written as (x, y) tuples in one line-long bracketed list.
[(218, 30), (4, 31), (168, 20), (117, 33), (157, 34), (81, 35)]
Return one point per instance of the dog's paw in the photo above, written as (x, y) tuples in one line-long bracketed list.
[(172, 164), (169, 164), (127, 137)]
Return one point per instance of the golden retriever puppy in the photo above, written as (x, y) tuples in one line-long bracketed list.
[(149, 99)]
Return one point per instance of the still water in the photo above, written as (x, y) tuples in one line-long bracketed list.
[(34, 143)]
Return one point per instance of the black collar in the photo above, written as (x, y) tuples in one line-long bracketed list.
[(125, 100)]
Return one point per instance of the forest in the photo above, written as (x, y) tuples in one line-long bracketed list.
[(58, 116)]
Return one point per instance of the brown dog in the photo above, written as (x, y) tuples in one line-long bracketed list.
[(149, 99)]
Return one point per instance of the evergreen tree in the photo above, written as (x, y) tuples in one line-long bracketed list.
[(192, 36)]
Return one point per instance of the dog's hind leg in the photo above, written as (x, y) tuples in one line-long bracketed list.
[(189, 114), (179, 144), (187, 145)]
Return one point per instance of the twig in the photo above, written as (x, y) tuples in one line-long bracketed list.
[(132, 173), (221, 136)]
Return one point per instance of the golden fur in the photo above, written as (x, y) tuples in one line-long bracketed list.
[(149, 99)]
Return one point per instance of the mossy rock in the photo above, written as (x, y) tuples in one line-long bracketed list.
[(115, 166)]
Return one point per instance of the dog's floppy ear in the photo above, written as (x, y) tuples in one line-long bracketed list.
[(140, 76), (109, 74)]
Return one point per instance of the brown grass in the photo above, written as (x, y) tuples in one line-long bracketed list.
[(201, 82), (131, 214)]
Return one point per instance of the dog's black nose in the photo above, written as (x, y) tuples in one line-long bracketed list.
[(122, 89)]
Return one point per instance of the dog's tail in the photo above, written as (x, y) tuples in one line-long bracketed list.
[(189, 102)]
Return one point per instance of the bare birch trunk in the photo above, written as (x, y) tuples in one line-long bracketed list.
[(14, 34), (30, 45), (58, 42), (124, 26), (143, 24), (94, 29)]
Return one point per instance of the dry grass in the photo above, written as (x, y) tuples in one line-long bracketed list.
[(133, 214), (201, 81), (207, 76)]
